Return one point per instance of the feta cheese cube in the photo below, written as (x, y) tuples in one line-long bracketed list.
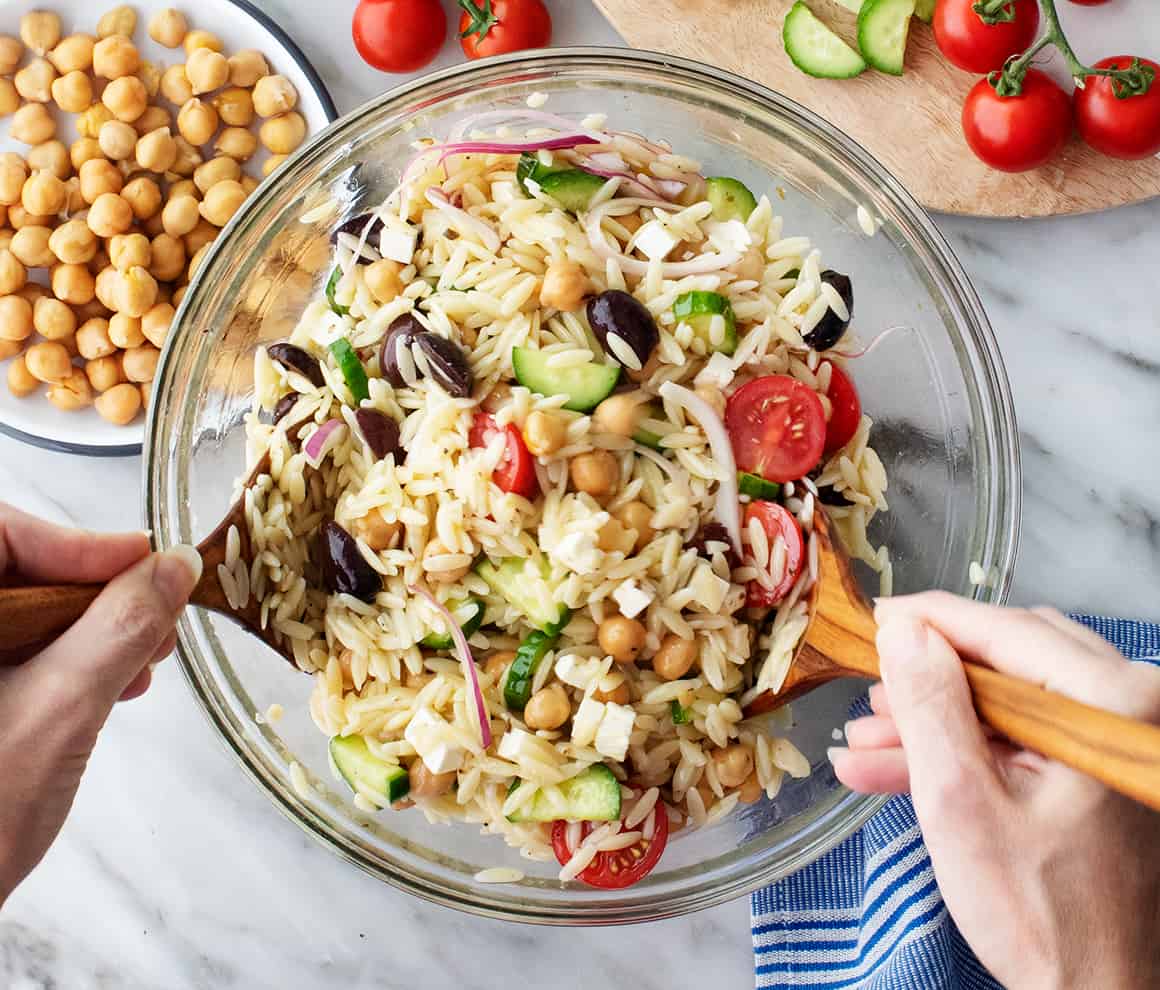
[(578, 552), (397, 242), (728, 235), (514, 744), (708, 588), (586, 721), (632, 599), (425, 732), (717, 373), (615, 728), (655, 241)]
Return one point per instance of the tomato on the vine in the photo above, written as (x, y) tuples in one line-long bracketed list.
[(516, 471), (494, 27), (621, 867), (972, 44), (1021, 132), (398, 35), (1125, 125)]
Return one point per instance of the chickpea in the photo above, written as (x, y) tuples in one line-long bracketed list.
[(48, 362), (377, 532), (32, 124), (10, 97), (33, 291), (544, 433), (222, 201), (107, 280), (10, 348), (124, 330), (155, 323), (613, 537), (197, 121), (21, 381), (157, 151), (104, 372), (175, 86), (13, 274), (271, 163), (202, 234), (127, 250), (34, 81), (751, 789), (565, 286), (120, 20), (168, 27), (143, 195), (72, 392), (151, 226), (425, 784), (246, 67), (30, 245), (40, 30), (140, 363), (126, 98), (619, 414), (734, 763), (637, 516), (153, 119), (249, 183), (201, 39), (11, 52), (73, 54), (237, 142), (188, 158), (621, 638), (675, 658), (146, 390), (283, 134), (180, 216), (619, 695), (206, 70), (168, 254), (94, 309), (53, 319), (90, 122), (274, 95), (548, 708), (382, 279), (120, 404), (135, 294), (73, 284), (93, 339), (99, 178), (197, 259), (13, 175), (214, 171), (118, 140), (51, 156), (435, 549), (595, 472), (115, 56), (109, 215), (15, 318), (235, 106)]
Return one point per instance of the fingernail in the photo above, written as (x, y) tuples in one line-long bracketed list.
[(835, 751), (846, 728), (178, 571)]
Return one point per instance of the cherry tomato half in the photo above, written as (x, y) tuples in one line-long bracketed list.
[(1017, 133), (970, 43), (494, 27), (846, 412), (398, 35), (1119, 126), (777, 521), (623, 867), (516, 471), (777, 427)]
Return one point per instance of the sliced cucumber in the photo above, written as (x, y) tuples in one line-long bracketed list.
[(643, 434), (365, 772), (882, 29), (730, 198), (473, 608), (680, 714), (757, 487), (586, 385), (573, 188), (332, 289), (924, 10), (530, 167), (517, 686), (515, 580), (593, 795), (698, 309), (815, 49)]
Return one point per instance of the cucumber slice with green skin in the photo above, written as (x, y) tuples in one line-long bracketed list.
[(512, 580), (924, 10), (435, 641), (882, 29), (573, 188), (644, 436), (332, 289), (517, 686), (353, 373), (815, 49), (680, 714), (586, 385), (530, 167), (698, 309), (757, 487), (365, 772), (730, 198), (593, 795)]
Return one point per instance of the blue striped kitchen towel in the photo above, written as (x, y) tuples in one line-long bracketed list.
[(868, 915)]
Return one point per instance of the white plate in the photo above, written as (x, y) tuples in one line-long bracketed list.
[(240, 25)]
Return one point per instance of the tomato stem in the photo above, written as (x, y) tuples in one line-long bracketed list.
[(483, 19), (994, 11), (1135, 80)]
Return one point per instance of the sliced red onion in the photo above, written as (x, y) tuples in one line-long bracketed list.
[(498, 147), (728, 507), (669, 188), (628, 183), (323, 440), (704, 265), (863, 351), (466, 661), (484, 121), (487, 234), (611, 160)]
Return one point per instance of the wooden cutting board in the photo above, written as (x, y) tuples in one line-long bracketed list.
[(911, 123)]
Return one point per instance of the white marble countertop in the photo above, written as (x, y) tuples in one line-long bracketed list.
[(174, 871)]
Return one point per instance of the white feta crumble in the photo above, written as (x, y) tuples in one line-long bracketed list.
[(717, 373), (709, 589), (632, 599), (515, 744), (578, 552), (586, 721), (397, 241), (425, 732), (615, 728), (655, 241), (728, 235)]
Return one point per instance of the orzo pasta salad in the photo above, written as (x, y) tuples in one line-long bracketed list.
[(544, 461)]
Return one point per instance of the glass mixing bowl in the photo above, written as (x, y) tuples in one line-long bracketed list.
[(938, 392)]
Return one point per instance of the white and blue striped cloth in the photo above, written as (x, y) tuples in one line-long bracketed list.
[(868, 915)]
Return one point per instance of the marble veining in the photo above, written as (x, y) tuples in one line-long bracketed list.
[(175, 872)]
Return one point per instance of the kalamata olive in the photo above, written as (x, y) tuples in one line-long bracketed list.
[(353, 225), (284, 405), (447, 363), (400, 335), (442, 359), (713, 532), (830, 327), (617, 315), (829, 495), (344, 569), (296, 359), (380, 432)]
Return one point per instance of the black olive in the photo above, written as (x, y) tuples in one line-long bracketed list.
[(344, 569), (380, 432), (617, 314), (401, 333), (353, 225), (829, 495), (296, 359), (830, 327), (447, 363), (714, 532), (284, 405)]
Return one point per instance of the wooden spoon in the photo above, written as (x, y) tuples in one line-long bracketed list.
[(32, 615), (1121, 752)]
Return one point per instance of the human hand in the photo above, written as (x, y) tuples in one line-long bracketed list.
[(53, 706), (1053, 879)]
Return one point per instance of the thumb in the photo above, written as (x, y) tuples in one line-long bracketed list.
[(99, 656)]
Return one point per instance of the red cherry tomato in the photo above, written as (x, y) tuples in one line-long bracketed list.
[(623, 867), (493, 27), (1119, 126), (846, 411), (777, 427), (398, 35), (777, 521), (516, 471), (1017, 133), (1089, 3), (972, 44)]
